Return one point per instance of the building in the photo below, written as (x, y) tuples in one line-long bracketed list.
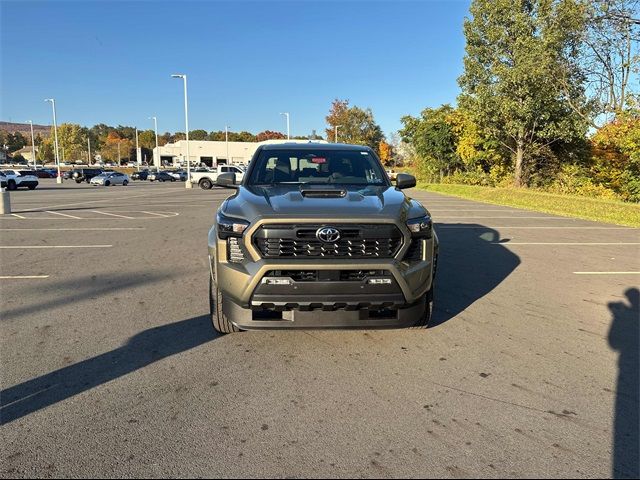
[(212, 153), (27, 153)]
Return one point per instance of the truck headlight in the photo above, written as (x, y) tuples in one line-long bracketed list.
[(230, 227), (421, 226)]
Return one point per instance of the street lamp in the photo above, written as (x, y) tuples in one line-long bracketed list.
[(88, 150), (226, 140), (286, 114), (33, 145), (55, 136), (335, 133), (137, 156), (156, 151), (186, 121)]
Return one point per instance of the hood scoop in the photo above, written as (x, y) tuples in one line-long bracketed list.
[(311, 192)]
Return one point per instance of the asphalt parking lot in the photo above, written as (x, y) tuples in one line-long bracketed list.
[(110, 366)]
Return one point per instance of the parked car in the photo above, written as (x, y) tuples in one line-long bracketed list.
[(141, 175), (66, 174), (46, 173), (163, 176), (14, 179), (85, 174), (206, 180), (179, 174), (110, 178)]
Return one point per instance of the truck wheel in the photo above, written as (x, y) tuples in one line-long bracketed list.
[(12, 185), (205, 184), (423, 322), (220, 322)]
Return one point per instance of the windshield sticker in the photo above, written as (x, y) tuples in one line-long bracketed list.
[(318, 160), (364, 153)]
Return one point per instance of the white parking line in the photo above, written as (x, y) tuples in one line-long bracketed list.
[(63, 214), (72, 229), (154, 213), (112, 214), (18, 216), (17, 247), (566, 243), (607, 273), (26, 277), (536, 227), (511, 216)]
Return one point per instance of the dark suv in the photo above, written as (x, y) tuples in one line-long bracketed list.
[(85, 174), (316, 236)]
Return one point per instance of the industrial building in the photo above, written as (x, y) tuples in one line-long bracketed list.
[(212, 153)]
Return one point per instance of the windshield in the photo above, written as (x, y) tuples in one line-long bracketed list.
[(322, 166)]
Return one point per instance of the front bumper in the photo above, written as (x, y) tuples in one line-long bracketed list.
[(322, 304)]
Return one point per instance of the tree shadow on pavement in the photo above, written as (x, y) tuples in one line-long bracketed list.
[(472, 262), (141, 350), (624, 337)]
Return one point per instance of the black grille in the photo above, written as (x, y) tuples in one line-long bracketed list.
[(295, 275), (414, 253), (356, 241)]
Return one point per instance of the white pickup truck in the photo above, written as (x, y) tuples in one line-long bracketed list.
[(207, 179), (14, 179)]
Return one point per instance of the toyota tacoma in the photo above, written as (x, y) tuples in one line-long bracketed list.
[(316, 236)]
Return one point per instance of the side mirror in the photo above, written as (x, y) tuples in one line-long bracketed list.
[(404, 180), (227, 180)]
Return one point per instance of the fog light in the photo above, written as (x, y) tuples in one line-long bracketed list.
[(277, 281), (379, 281)]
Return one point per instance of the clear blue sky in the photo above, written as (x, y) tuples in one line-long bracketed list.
[(110, 61)]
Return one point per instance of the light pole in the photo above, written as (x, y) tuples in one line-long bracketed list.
[(286, 114), (33, 145), (186, 122), (55, 136), (137, 156), (118, 152), (335, 133), (88, 151), (156, 151), (226, 140)]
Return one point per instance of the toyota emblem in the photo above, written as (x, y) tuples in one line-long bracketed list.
[(328, 234)]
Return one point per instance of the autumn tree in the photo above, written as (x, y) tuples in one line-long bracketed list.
[(116, 148), (515, 50), (355, 125), (270, 135), (384, 152)]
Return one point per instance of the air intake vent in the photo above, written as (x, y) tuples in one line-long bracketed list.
[(329, 193)]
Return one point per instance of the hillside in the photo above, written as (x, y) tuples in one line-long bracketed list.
[(25, 129)]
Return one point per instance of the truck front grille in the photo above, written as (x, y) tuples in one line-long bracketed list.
[(356, 241)]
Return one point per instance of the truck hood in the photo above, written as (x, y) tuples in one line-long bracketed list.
[(328, 202)]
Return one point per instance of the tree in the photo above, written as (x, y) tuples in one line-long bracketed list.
[(45, 153), (116, 148), (147, 139), (355, 125), (73, 139), (270, 135), (515, 51), (384, 152), (198, 135), (609, 55), (13, 141), (433, 138)]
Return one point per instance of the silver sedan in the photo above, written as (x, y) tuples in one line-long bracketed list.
[(110, 178)]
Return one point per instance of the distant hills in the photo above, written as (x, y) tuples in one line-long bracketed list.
[(25, 129)]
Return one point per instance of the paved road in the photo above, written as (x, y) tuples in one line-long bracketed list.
[(110, 366)]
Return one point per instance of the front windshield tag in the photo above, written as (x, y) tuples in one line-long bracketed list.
[(318, 160)]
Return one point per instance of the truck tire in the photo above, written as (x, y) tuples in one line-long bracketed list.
[(423, 322), (11, 185), (205, 184), (220, 322)]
